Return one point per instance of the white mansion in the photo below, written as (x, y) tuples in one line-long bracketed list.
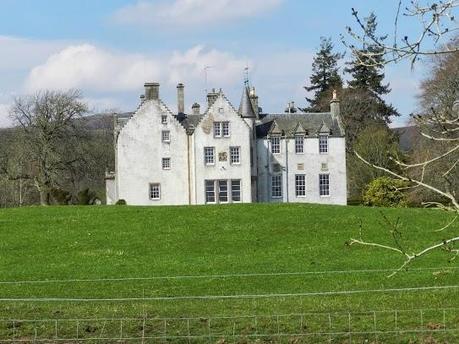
[(224, 155)]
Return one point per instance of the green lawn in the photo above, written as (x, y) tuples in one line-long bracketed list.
[(205, 244)]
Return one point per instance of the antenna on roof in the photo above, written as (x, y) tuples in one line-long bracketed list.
[(246, 75), (206, 68)]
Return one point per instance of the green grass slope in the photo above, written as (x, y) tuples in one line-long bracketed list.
[(253, 259)]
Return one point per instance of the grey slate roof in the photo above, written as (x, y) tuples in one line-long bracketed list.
[(288, 123), (189, 122)]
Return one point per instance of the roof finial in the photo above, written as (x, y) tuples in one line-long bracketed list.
[(246, 76)]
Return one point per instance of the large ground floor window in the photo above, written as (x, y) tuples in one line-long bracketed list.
[(223, 191)]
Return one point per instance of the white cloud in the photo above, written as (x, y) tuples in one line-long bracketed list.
[(169, 15), (20, 53), (93, 69)]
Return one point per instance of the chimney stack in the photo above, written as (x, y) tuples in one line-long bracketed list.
[(151, 91), (334, 105), (180, 98), (254, 100), (211, 97), (196, 108)]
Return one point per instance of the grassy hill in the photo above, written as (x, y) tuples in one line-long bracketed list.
[(220, 261)]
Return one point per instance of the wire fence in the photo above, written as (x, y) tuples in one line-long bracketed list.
[(390, 326)]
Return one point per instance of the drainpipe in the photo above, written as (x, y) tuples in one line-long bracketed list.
[(189, 166), (195, 177), (286, 167), (268, 186)]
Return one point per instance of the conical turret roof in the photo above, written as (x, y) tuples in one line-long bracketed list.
[(246, 107)]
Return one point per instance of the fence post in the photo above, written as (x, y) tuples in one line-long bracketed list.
[(301, 323), (188, 329), (278, 327), (422, 320), (444, 320), (121, 329), (210, 332), (330, 331), (55, 329), (375, 327), (350, 328), (78, 329), (143, 329)]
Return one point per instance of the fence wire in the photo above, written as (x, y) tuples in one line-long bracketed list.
[(373, 326)]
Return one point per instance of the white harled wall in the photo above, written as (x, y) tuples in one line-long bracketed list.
[(203, 136), (311, 161), (139, 158)]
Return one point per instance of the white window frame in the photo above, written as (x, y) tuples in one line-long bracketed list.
[(300, 185), (154, 191), (222, 189), (222, 129), (166, 136), (235, 155), (323, 144), (217, 129), (324, 185), (236, 190), (276, 186), (209, 191), (209, 152), (229, 189), (163, 119), (166, 163), (276, 144), (299, 144), (226, 129)]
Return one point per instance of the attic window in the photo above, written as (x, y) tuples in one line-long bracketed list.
[(163, 119), (275, 144), (220, 110), (323, 144), (299, 144)]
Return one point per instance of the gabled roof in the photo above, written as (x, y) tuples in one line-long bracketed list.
[(290, 124)]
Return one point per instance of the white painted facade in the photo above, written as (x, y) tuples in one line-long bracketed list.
[(142, 178)]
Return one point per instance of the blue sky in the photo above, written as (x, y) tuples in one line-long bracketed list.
[(108, 49)]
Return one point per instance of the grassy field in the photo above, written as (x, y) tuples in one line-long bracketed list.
[(224, 263)]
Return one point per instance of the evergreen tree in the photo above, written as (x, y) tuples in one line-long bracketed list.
[(367, 70), (325, 76)]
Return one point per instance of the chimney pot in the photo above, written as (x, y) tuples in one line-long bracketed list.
[(196, 108)]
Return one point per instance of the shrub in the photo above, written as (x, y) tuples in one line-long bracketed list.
[(86, 197), (61, 197), (121, 202), (385, 192)]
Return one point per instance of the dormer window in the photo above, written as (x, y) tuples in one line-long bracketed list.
[(275, 144), (299, 144), (323, 144)]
